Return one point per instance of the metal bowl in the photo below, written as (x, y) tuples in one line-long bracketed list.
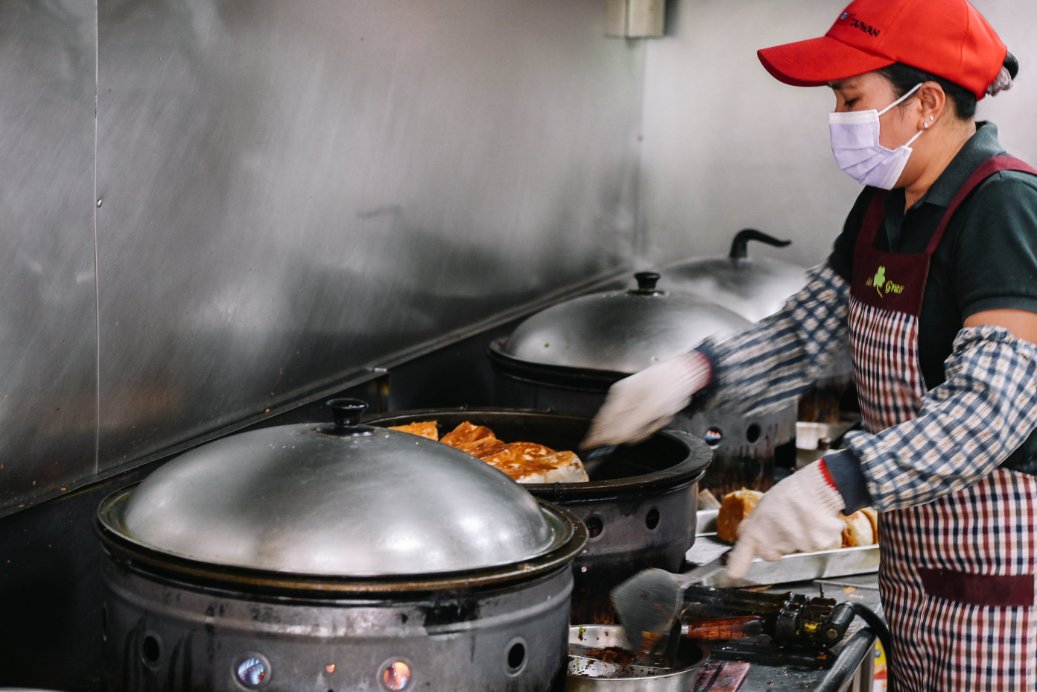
[(588, 672), (334, 557), (753, 287), (617, 331), (342, 500), (567, 357)]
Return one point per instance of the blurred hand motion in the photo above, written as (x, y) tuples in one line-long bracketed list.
[(641, 404)]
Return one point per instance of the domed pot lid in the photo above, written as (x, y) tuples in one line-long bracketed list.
[(753, 287), (619, 331), (339, 499)]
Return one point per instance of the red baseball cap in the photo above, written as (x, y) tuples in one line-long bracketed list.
[(947, 38)]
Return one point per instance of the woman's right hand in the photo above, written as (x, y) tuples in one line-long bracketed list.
[(800, 514), (644, 402)]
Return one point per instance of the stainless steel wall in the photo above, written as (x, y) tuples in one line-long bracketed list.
[(48, 333), (289, 196), (726, 146)]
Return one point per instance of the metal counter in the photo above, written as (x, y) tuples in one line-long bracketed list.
[(857, 581), (754, 664), (854, 656)]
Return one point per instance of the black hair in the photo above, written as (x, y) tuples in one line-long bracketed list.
[(1011, 64), (904, 77)]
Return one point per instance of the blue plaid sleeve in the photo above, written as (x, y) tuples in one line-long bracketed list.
[(780, 356), (965, 428)]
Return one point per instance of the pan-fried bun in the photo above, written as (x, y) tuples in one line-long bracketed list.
[(466, 433), (428, 429), (482, 447), (524, 462), (735, 507), (857, 530), (873, 517)]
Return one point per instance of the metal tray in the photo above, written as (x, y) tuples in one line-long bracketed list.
[(591, 675), (822, 564)]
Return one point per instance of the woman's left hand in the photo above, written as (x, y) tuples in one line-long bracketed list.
[(800, 514)]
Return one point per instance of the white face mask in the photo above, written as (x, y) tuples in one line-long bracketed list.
[(855, 143)]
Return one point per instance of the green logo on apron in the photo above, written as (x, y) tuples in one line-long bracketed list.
[(882, 285)]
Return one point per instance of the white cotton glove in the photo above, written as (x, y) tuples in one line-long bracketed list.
[(800, 514), (638, 405)]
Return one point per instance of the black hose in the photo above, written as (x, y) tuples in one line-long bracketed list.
[(878, 626)]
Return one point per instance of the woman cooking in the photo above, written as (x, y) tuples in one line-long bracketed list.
[(932, 287)]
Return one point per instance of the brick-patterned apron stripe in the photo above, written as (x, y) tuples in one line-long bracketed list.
[(956, 574)]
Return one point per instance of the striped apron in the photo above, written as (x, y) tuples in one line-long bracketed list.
[(957, 574)]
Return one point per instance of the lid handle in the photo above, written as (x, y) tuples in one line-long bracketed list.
[(742, 238), (646, 284), (348, 413)]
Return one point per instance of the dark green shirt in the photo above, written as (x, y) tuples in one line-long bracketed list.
[(986, 260)]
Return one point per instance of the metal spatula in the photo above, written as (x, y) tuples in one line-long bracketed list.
[(594, 458), (648, 603)]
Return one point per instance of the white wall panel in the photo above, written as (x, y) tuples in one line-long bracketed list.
[(727, 146)]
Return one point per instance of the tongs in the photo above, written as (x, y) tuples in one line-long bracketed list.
[(648, 603)]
